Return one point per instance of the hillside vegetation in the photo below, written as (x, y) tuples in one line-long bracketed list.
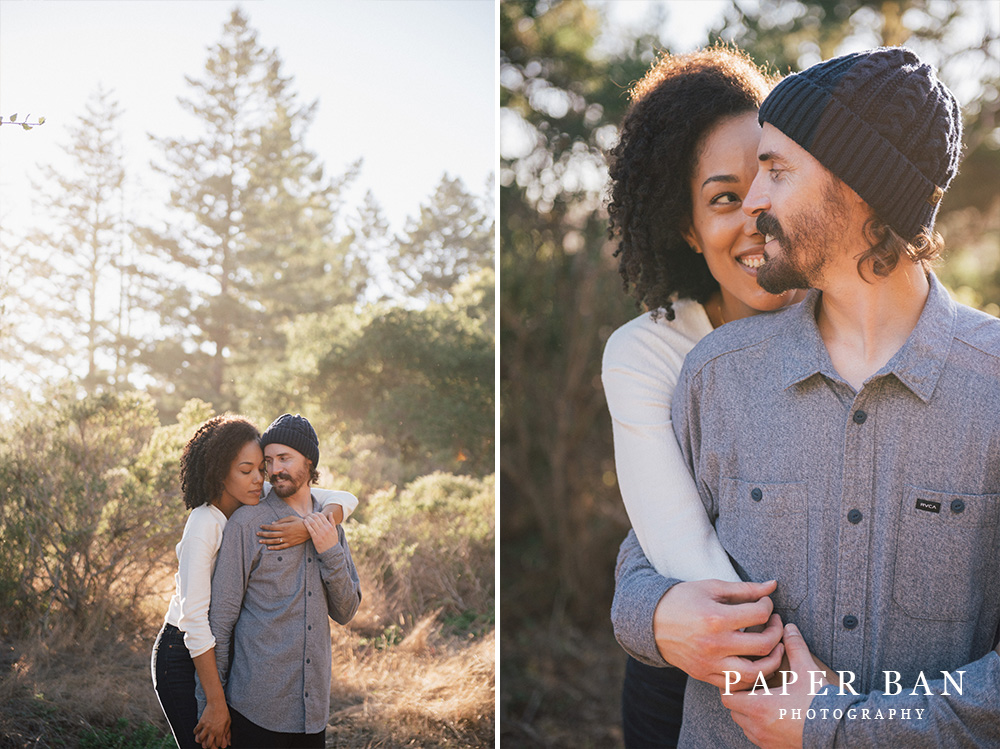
[(90, 513)]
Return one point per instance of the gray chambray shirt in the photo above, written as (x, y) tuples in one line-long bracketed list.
[(877, 513), (274, 608)]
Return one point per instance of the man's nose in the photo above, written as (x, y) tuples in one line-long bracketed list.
[(756, 200)]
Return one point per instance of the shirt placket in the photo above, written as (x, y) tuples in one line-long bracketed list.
[(855, 517), (310, 694)]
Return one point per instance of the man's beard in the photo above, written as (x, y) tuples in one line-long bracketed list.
[(805, 247), (294, 484)]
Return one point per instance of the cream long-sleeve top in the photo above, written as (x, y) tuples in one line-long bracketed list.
[(642, 361), (196, 554)]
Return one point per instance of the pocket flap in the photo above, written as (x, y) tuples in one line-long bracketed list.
[(951, 509)]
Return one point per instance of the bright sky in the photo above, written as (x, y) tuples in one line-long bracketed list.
[(407, 85), (685, 25)]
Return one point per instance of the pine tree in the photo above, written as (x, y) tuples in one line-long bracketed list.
[(253, 244), (372, 243), (78, 257), (16, 371), (452, 238)]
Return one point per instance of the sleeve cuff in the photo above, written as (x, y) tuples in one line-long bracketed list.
[(651, 591), (200, 650), (334, 556), (638, 590), (347, 501), (821, 733)]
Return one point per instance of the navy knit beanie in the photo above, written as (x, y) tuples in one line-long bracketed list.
[(294, 431), (883, 123)]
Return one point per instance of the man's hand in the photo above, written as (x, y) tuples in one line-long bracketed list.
[(322, 531), (697, 628), (283, 534), (212, 731), (767, 719)]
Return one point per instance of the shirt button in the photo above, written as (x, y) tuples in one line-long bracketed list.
[(279, 559), (309, 559), (860, 416), (307, 660), (309, 627), (850, 622), (756, 494), (957, 505), (309, 593), (854, 516), (307, 694)]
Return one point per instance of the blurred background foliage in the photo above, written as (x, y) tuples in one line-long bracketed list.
[(255, 291), (564, 79)]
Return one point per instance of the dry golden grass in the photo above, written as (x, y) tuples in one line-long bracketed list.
[(431, 689), (52, 691)]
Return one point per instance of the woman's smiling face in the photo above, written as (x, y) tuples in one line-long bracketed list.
[(726, 166)]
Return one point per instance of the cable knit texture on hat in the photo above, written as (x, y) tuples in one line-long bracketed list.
[(883, 123), (294, 431)]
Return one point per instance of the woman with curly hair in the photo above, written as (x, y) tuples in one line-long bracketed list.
[(685, 159), (222, 468)]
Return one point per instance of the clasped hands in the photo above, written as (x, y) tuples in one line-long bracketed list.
[(702, 627), (213, 729), (320, 527)]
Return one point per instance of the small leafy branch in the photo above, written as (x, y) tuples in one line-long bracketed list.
[(25, 123)]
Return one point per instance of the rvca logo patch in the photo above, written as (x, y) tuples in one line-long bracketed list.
[(928, 506)]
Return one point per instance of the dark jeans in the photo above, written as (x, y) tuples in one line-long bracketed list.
[(652, 700), (247, 735), (173, 680)]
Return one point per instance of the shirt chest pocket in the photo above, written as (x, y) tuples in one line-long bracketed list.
[(944, 547), (277, 574), (764, 528)]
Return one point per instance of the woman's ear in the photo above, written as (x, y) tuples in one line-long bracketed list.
[(689, 236)]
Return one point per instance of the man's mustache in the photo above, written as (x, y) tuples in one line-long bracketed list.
[(768, 224), (278, 476)]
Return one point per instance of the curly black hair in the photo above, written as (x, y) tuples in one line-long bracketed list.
[(209, 454), (672, 108)]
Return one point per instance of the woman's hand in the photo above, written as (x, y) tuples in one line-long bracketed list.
[(212, 731), (322, 531), (285, 533)]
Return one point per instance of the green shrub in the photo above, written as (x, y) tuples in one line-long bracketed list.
[(431, 546), (79, 530)]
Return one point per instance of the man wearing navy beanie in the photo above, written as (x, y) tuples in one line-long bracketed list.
[(297, 433), (273, 605), (847, 447)]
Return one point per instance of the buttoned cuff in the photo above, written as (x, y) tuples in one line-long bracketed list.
[(821, 730), (633, 618), (333, 556)]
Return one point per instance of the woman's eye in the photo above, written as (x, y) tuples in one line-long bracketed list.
[(725, 198)]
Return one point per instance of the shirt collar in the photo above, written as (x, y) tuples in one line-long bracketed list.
[(918, 364), (921, 360), (281, 506), (805, 352)]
